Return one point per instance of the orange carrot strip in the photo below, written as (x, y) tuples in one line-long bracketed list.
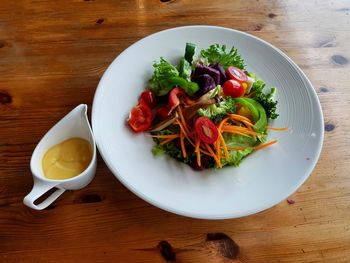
[(167, 141), (262, 146), (198, 158), (236, 148), (197, 151), (183, 129), (222, 123), (248, 124), (239, 117), (183, 149), (241, 128), (221, 138), (189, 139), (234, 129), (277, 129), (218, 162), (243, 133), (217, 148), (239, 133), (197, 144), (166, 136), (204, 151), (183, 119)]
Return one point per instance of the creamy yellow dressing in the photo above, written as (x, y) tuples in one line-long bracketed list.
[(67, 159)]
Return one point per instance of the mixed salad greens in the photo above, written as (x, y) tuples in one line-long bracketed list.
[(207, 112)]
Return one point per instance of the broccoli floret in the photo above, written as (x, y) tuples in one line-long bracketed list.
[(217, 112)]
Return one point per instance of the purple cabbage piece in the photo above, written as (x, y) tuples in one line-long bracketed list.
[(205, 83), (201, 69), (222, 72)]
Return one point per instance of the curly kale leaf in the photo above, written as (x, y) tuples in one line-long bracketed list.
[(265, 99)]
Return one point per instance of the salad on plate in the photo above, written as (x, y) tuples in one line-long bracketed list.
[(206, 111)]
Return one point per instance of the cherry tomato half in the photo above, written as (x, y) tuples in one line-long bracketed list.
[(233, 88), (236, 74), (163, 112), (149, 98), (140, 117), (206, 130)]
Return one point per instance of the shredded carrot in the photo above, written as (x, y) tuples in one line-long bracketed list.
[(217, 160), (183, 120), (197, 151), (183, 129), (239, 133), (204, 151), (277, 129), (197, 145), (234, 129), (183, 149), (167, 141), (166, 136), (222, 123), (217, 148), (236, 148), (238, 127), (248, 124), (189, 139), (221, 138), (240, 118), (262, 146), (187, 135)]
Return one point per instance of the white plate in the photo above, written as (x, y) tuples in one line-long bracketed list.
[(262, 180)]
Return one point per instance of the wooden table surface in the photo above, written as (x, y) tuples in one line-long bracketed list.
[(52, 55)]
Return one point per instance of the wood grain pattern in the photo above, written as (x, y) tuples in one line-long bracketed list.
[(52, 55)]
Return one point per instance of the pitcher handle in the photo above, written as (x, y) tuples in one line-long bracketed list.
[(39, 188)]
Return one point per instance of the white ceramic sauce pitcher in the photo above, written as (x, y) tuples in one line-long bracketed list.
[(74, 124)]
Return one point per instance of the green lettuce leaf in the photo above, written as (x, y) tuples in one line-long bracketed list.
[(236, 157), (218, 54), (166, 76), (236, 140), (158, 150), (163, 70)]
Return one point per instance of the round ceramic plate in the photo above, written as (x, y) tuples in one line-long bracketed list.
[(263, 179)]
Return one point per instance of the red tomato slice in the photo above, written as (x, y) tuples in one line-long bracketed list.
[(149, 98), (140, 117), (206, 130), (163, 112), (174, 95), (236, 74), (233, 88)]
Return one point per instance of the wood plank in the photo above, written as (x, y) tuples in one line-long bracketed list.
[(52, 55)]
